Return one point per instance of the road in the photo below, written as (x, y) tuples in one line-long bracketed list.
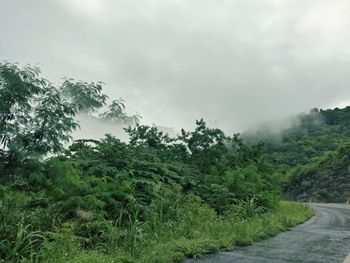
[(324, 238)]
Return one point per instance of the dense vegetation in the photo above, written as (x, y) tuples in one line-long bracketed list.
[(154, 199), (313, 154)]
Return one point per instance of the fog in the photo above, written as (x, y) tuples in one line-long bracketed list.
[(95, 128), (236, 63)]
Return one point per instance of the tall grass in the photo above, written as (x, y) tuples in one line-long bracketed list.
[(197, 230)]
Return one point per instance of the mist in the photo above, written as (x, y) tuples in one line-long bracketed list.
[(97, 128), (235, 63)]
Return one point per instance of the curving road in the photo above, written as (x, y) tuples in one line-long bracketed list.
[(324, 238)]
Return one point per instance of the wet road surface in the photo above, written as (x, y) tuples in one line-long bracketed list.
[(324, 238)]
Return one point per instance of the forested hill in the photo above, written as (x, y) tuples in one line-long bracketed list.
[(313, 154)]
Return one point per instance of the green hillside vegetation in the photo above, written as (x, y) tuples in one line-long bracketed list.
[(313, 155), (153, 199)]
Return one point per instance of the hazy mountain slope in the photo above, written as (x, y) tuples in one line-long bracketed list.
[(313, 154)]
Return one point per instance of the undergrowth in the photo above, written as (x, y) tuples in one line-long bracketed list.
[(199, 230)]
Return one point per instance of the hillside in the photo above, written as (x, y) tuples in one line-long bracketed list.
[(313, 155)]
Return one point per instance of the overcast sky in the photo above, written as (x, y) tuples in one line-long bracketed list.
[(233, 62)]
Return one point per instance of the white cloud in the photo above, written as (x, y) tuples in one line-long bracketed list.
[(236, 62), (86, 7)]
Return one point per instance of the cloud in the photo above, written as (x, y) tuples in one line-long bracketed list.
[(235, 62)]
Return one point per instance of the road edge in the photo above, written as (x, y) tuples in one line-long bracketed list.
[(347, 259)]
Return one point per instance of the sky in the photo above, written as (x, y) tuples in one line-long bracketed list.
[(236, 63)]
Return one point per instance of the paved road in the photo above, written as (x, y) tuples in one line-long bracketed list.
[(324, 238)]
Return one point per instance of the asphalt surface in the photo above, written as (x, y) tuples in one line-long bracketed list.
[(324, 238)]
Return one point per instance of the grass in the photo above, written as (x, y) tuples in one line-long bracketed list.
[(226, 233), (199, 231)]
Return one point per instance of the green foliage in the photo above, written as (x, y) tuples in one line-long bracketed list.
[(200, 231), (87, 96), (102, 187), (116, 113), (35, 119), (313, 155), (111, 200), (242, 184), (206, 145), (324, 178), (19, 224)]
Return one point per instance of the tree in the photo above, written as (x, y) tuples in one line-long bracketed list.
[(87, 96), (116, 113), (206, 145), (35, 118), (149, 136)]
